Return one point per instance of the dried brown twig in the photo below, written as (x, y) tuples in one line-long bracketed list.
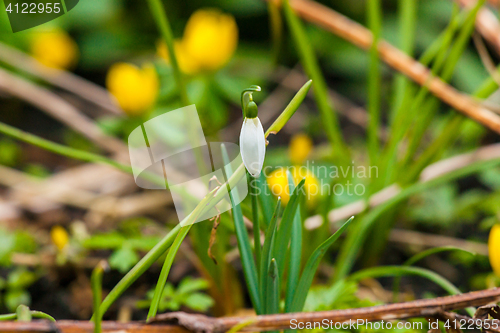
[(355, 33), (179, 322), (59, 109), (424, 240), (420, 308), (430, 172), (59, 78)]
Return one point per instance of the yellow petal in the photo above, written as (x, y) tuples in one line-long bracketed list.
[(278, 184), (135, 89), (187, 64), (54, 49), (210, 38), (59, 237), (162, 50), (311, 184), (494, 249), (300, 147)]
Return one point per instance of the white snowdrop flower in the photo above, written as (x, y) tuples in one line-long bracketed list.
[(252, 138), (252, 145)]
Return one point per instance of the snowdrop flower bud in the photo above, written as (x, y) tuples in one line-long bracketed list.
[(252, 139)]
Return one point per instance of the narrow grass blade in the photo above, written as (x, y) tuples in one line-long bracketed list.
[(311, 66), (311, 267), (402, 118), (374, 93), (295, 259), (290, 109), (138, 269), (285, 229), (448, 63), (41, 315), (266, 199), (295, 252), (422, 110), (461, 41), (419, 256), (210, 200), (34, 314), (416, 258), (407, 17), (247, 260), (70, 152), (276, 27), (273, 289), (488, 87), (440, 144), (404, 270), (163, 24), (252, 182), (96, 284), (162, 280), (267, 251), (8, 317), (450, 132), (456, 22), (357, 235)]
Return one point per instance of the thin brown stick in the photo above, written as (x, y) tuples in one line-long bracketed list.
[(430, 172), (49, 260), (59, 78), (91, 192), (180, 322), (59, 109), (460, 161), (69, 115), (85, 326), (419, 308), (488, 63), (355, 33), (424, 240)]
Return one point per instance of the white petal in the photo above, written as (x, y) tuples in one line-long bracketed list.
[(252, 145)]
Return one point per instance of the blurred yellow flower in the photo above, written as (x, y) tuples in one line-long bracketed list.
[(211, 37), (59, 237), (300, 147), (134, 88), (494, 248), (278, 183), (54, 49), (186, 63), (209, 41)]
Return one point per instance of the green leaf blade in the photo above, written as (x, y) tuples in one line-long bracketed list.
[(244, 247), (267, 250), (295, 251), (311, 268), (285, 228)]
